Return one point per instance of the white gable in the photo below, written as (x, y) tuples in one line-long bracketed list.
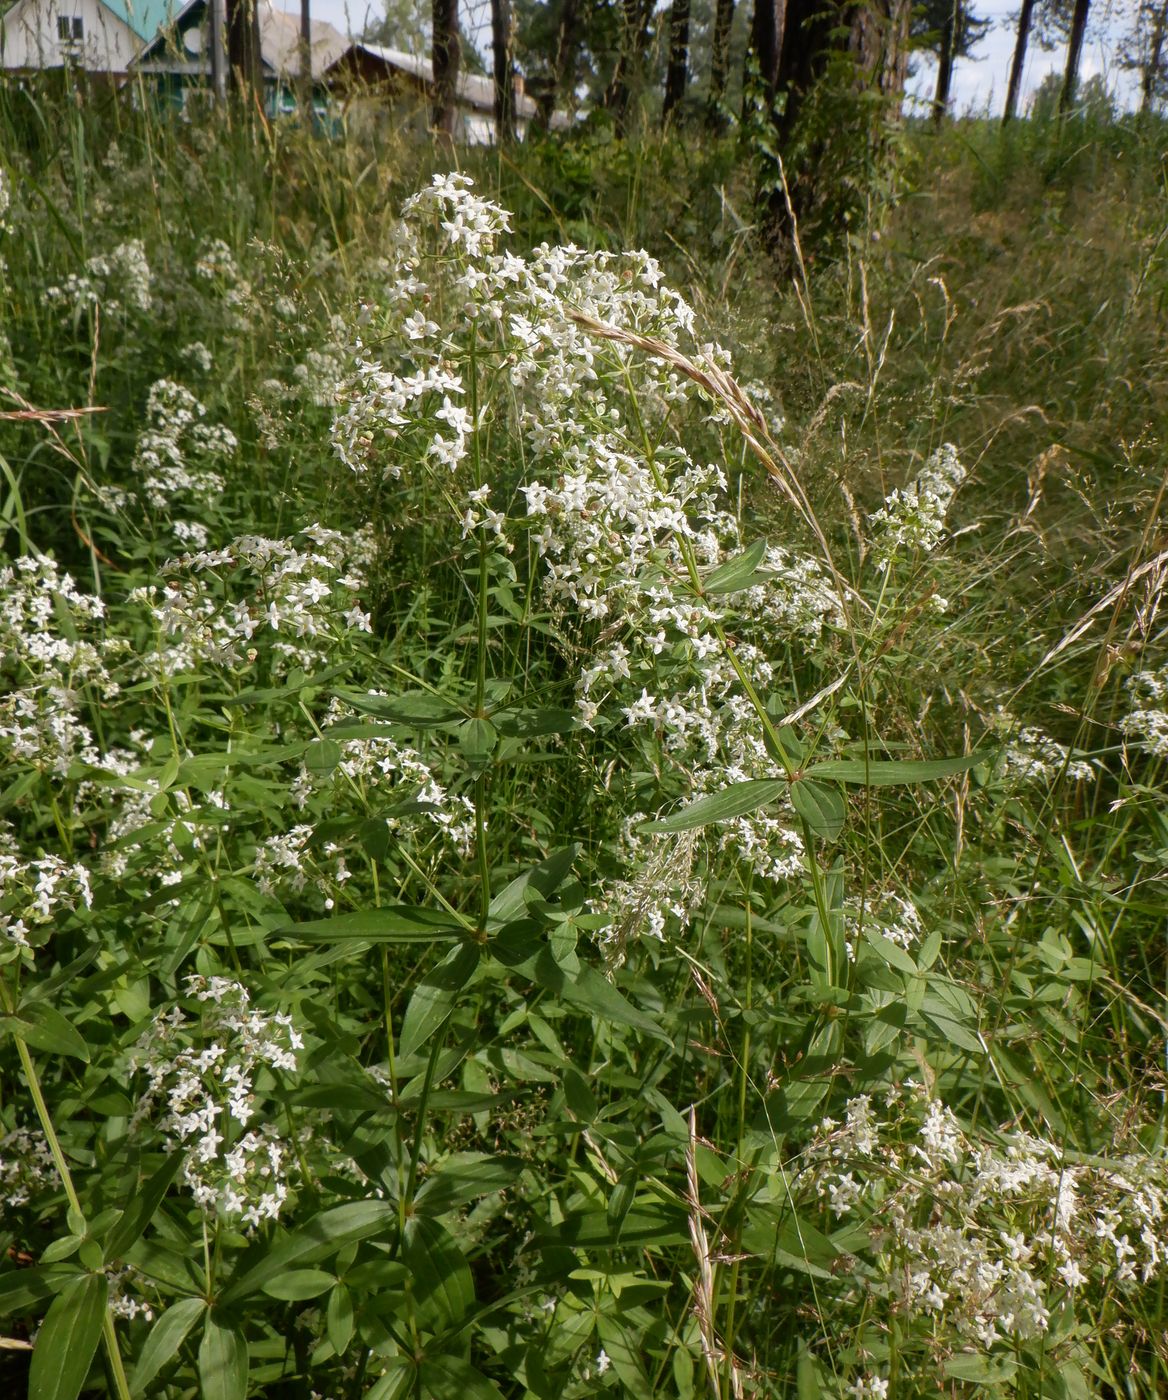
[(66, 33)]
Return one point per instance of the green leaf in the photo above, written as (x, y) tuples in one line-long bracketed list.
[(443, 1287), (68, 1338), (820, 806), (298, 1284), (645, 1223), (535, 724), (322, 756), (44, 1028), (545, 879), (477, 739), (395, 924), (625, 1356), (418, 708), (734, 801), (889, 952), (324, 1234), (736, 573), (464, 1177), (21, 1288), (890, 772), (977, 1368), (166, 1337), (144, 1201), (223, 1362), (578, 1095), (433, 997), (595, 994), (452, 1378), (397, 1383), (339, 1319)]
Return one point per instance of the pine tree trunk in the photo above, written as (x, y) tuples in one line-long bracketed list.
[(243, 47), (677, 74), (719, 61), (567, 49), (305, 84), (1074, 53), (770, 36), (1151, 73), (444, 53), (949, 31), (1018, 62), (630, 59), (504, 63)]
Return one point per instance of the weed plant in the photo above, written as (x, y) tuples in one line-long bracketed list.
[(544, 855)]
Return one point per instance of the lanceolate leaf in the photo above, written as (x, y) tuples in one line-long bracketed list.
[(323, 1235), (452, 1378), (736, 573), (443, 1287), (166, 1336), (397, 924), (736, 800), (890, 772), (223, 1362), (68, 1339)]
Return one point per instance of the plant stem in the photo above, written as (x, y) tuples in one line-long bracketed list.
[(108, 1335)]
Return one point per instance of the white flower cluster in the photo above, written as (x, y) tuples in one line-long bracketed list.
[(300, 592), (380, 766), (172, 454), (50, 657), (913, 518), (1147, 725), (26, 1167), (207, 1077), (586, 352), (5, 199), (891, 916), (1034, 757), (37, 892), (118, 281), (987, 1237)]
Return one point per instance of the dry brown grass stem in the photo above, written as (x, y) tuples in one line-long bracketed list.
[(703, 1297), (1114, 597), (749, 421)]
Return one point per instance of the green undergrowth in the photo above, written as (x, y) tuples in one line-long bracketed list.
[(578, 820)]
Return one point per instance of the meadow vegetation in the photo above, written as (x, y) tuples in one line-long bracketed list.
[(582, 807)]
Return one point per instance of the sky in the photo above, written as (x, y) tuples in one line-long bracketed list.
[(979, 84)]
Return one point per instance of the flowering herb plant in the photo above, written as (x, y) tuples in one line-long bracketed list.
[(488, 921)]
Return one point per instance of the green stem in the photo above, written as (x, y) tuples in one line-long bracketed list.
[(109, 1336)]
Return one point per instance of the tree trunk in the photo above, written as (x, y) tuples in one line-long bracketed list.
[(1018, 62), (677, 74), (634, 41), (719, 61), (504, 66), (1074, 53), (445, 52), (769, 37), (217, 34), (305, 84), (949, 33), (804, 32), (1151, 73), (243, 47), (567, 48)]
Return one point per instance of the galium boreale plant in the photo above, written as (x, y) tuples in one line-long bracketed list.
[(460, 989)]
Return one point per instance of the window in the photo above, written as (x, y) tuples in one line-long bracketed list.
[(70, 29)]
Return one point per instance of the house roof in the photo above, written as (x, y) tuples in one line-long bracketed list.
[(144, 17), (279, 41), (474, 90)]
